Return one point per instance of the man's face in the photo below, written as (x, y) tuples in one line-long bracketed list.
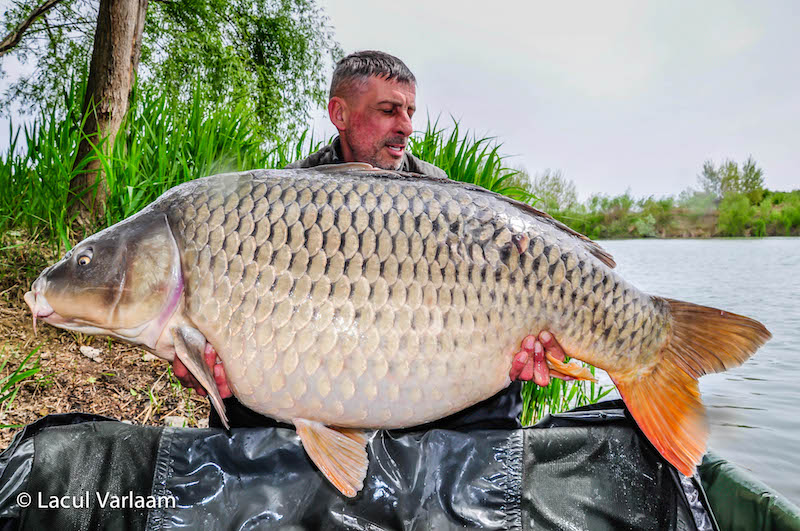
[(374, 122)]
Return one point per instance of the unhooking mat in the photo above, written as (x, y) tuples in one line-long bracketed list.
[(587, 469)]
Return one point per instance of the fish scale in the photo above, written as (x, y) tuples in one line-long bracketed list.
[(349, 297), (318, 235)]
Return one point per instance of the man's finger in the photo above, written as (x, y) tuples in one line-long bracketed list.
[(221, 379), (210, 355), (179, 369), (527, 373), (218, 370), (185, 377), (551, 345), (540, 373), (528, 342), (520, 360)]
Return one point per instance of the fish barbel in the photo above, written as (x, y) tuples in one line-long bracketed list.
[(345, 298)]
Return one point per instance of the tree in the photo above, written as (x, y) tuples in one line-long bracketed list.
[(15, 34), (555, 191), (115, 60), (752, 181), (728, 179), (660, 211), (709, 179), (58, 43), (270, 54)]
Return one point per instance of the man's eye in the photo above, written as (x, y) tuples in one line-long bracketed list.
[(387, 111)]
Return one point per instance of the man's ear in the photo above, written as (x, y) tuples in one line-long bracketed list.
[(338, 112)]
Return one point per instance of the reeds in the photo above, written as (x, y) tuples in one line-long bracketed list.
[(467, 158), (558, 396)]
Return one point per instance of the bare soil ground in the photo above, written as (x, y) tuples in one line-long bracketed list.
[(122, 382)]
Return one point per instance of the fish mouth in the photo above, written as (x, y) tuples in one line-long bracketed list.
[(40, 309)]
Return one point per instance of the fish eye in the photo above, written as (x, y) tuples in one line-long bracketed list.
[(85, 257)]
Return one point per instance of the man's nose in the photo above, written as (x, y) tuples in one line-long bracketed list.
[(404, 124)]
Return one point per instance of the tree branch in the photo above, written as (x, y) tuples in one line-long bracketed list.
[(13, 38)]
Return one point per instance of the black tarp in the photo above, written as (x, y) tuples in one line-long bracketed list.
[(588, 469)]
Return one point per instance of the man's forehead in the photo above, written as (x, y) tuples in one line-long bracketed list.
[(378, 89)]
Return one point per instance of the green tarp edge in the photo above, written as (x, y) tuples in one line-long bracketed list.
[(741, 502)]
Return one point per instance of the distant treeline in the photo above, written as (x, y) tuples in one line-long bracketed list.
[(732, 201)]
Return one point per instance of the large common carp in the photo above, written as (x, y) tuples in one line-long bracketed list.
[(345, 298)]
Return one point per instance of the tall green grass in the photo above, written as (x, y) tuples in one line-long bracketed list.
[(10, 384), (161, 145), (158, 147), (558, 396), (36, 170), (467, 158)]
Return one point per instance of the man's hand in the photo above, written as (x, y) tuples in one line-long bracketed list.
[(185, 377), (529, 363)]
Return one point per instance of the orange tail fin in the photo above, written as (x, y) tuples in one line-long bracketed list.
[(666, 402)]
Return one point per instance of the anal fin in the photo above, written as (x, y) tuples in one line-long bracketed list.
[(340, 454)]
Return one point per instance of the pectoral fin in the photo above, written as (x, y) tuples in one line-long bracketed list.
[(340, 454), (190, 345)]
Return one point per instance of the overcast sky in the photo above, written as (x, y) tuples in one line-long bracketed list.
[(616, 95)]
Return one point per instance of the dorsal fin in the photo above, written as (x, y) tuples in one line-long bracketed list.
[(362, 168), (591, 245)]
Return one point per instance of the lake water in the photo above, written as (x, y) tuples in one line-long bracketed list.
[(753, 409)]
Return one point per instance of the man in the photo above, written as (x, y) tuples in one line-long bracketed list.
[(372, 102)]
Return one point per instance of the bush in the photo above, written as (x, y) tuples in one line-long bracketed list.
[(789, 215), (735, 213), (645, 226)]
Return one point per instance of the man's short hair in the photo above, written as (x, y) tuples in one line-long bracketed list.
[(357, 67)]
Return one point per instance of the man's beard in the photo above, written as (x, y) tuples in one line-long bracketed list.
[(391, 164)]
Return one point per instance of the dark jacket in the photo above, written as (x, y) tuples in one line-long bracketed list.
[(332, 154)]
